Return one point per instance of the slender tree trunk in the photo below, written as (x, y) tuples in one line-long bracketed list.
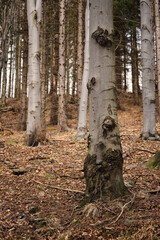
[(4, 85), (74, 75), (125, 67), (82, 120), (118, 68), (23, 113), (68, 53), (33, 135), (55, 63), (62, 119), (103, 164), (157, 25), (135, 67), (80, 47), (148, 86), (43, 74), (10, 68), (18, 63)]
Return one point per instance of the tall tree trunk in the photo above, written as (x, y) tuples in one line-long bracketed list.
[(74, 72), (148, 86), (80, 47), (157, 25), (4, 85), (118, 68), (82, 120), (68, 53), (18, 63), (55, 63), (33, 135), (43, 74), (10, 67), (23, 112), (125, 67), (62, 119), (135, 82), (103, 164)]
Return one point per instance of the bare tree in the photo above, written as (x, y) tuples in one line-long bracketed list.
[(148, 86), (62, 119), (82, 120), (33, 135), (104, 162)]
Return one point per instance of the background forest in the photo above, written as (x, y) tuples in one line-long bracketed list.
[(42, 182)]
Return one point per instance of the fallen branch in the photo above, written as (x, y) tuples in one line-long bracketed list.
[(130, 202), (59, 188), (139, 149)]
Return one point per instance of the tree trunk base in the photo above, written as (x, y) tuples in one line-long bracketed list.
[(104, 181), (149, 136), (81, 134), (154, 162)]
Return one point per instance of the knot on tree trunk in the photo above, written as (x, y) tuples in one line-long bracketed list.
[(91, 83), (102, 37), (108, 124)]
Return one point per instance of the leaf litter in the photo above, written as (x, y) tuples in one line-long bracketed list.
[(46, 201)]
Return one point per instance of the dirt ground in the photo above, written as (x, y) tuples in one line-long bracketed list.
[(45, 201)]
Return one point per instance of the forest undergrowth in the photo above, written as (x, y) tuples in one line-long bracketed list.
[(42, 188)]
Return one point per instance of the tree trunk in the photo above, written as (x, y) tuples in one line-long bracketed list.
[(4, 85), (23, 113), (43, 75), (103, 164), (80, 47), (157, 25), (62, 119), (82, 120), (148, 86), (33, 135), (135, 67), (74, 75)]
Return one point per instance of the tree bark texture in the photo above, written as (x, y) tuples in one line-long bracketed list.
[(82, 120), (62, 119), (103, 164), (80, 47), (34, 97), (23, 113), (157, 28), (134, 56), (148, 86)]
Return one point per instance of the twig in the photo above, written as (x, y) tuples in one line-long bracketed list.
[(141, 150), (59, 188), (130, 202)]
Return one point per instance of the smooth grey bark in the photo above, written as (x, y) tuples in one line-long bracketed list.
[(103, 164), (148, 86), (6, 24), (82, 120), (157, 30), (33, 134), (44, 83), (62, 119)]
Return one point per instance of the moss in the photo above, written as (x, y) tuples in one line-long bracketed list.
[(154, 161)]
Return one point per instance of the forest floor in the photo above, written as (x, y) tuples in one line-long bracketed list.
[(46, 201)]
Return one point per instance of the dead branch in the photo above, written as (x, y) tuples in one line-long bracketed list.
[(59, 188), (140, 150), (126, 204)]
